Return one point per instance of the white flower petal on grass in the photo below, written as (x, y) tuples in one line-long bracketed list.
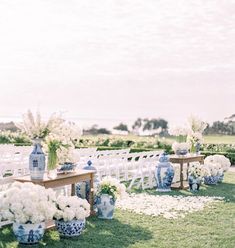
[(170, 207)]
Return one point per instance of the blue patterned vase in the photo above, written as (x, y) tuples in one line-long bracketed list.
[(37, 162), (194, 183), (105, 205), (210, 180), (220, 178), (164, 174), (29, 234), (71, 228)]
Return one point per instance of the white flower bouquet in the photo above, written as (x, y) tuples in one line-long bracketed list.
[(71, 208), (112, 187), (219, 159), (197, 170), (35, 128), (180, 148), (27, 203)]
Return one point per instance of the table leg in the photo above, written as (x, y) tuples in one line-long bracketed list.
[(181, 175), (91, 194), (187, 171), (73, 189)]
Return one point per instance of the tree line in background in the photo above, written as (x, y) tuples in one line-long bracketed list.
[(149, 127)]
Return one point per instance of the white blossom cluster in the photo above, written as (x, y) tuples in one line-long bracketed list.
[(196, 125), (198, 170), (180, 146), (34, 127), (111, 186), (219, 161), (178, 131), (70, 208), (170, 207), (27, 203)]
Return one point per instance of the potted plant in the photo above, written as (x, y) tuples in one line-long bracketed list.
[(107, 193), (71, 215), (28, 206), (196, 173), (222, 162), (215, 172)]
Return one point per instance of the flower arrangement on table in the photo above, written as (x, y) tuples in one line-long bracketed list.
[(108, 191), (195, 138), (196, 174), (70, 215), (181, 146), (28, 206)]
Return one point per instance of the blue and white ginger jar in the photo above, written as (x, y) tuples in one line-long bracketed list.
[(194, 183), (105, 206), (37, 162), (164, 173)]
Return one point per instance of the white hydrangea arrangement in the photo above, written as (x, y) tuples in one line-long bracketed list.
[(112, 187), (27, 203), (215, 169), (197, 170), (220, 160), (183, 146), (71, 208)]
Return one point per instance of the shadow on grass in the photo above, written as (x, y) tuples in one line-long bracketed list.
[(98, 233)]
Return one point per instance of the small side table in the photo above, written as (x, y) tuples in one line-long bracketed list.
[(66, 179), (184, 160)]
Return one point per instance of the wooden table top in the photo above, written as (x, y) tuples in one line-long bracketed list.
[(60, 176), (186, 158)]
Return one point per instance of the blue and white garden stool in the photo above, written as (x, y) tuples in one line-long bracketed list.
[(164, 173)]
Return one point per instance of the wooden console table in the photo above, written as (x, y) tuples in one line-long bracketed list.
[(66, 179), (184, 160)]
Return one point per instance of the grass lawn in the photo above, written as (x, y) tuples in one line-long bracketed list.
[(213, 227), (219, 139)]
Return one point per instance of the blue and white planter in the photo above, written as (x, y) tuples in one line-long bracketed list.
[(37, 161), (211, 180), (164, 174), (71, 228), (105, 206), (29, 234), (194, 183), (220, 178)]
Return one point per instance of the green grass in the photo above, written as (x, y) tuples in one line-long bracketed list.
[(212, 227), (219, 139)]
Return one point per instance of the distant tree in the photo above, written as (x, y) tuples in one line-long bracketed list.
[(8, 126), (122, 127), (137, 124), (219, 127), (94, 130)]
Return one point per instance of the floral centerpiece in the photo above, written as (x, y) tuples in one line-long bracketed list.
[(71, 215), (195, 138), (60, 144), (196, 174), (107, 193), (28, 206), (181, 146)]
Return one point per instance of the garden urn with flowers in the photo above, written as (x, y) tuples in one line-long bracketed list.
[(196, 173), (37, 130), (108, 191), (28, 206), (71, 215)]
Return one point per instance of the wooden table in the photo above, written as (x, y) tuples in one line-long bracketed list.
[(186, 159), (66, 179)]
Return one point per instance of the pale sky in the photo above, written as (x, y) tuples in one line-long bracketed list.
[(111, 60)]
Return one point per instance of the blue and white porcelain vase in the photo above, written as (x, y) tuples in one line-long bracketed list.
[(71, 228), (83, 188), (105, 205), (220, 178), (37, 161), (194, 183), (164, 173), (211, 180), (29, 234)]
